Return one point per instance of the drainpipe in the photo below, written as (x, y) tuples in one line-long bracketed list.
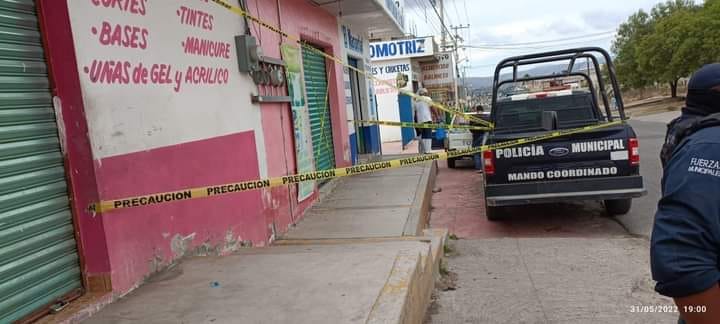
[(282, 122), (277, 5), (244, 7)]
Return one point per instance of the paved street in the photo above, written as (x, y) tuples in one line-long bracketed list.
[(651, 133), (561, 263)]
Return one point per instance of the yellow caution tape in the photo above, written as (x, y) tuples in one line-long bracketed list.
[(241, 12), (420, 125), (532, 139), (236, 187)]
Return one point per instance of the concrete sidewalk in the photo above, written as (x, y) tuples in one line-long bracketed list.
[(360, 255), (551, 280), (388, 203)]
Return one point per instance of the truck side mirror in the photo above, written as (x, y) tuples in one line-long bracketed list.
[(550, 120)]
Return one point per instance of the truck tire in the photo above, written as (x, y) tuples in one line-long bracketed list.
[(451, 163), (618, 207), (494, 213)]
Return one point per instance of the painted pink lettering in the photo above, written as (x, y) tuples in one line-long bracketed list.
[(206, 75), (160, 74), (204, 47), (136, 7), (195, 18), (109, 72), (123, 36)]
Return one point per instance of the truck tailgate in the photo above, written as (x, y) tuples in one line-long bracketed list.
[(600, 153)]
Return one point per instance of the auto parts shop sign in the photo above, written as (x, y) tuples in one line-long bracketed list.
[(399, 49)]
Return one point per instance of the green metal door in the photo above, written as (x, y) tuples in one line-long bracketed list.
[(316, 85), (38, 254)]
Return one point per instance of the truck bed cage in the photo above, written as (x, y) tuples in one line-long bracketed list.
[(564, 55)]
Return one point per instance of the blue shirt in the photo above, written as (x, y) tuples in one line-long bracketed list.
[(685, 245)]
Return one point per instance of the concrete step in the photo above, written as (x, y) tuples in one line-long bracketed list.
[(303, 281), (406, 296), (388, 203)]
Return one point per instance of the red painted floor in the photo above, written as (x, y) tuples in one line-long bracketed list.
[(460, 207)]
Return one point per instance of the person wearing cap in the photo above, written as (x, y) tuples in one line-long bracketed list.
[(424, 115), (685, 243)]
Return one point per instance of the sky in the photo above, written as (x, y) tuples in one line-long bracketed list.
[(498, 26)]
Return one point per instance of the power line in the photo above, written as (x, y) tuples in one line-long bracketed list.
[(523, 48), (547, 41), (421, 3), (447, 15), (467, 17), (421, 13), (457, 12), (469, 34), (442, 22), (466, 34)]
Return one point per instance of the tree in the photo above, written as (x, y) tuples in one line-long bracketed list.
[(668, 8), (669, 43), (671, 51), (711, 22), (625, 49)]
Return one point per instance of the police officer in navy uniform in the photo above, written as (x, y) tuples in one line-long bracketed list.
[(685, 247)]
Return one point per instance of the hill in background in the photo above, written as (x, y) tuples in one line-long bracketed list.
[(485, 83)]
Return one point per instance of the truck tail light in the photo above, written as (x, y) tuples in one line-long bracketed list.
[(634, 148), (489, 162)]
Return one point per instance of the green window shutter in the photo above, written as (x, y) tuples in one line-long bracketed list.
[(316, 85), (39, 260)]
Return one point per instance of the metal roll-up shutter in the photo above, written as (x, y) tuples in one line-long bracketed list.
[(38, 255), (316, 85)]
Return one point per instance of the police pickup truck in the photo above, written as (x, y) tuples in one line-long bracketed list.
[(599, 164)]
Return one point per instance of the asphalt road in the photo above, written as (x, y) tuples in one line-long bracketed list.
[(557, 263), (651, 134)]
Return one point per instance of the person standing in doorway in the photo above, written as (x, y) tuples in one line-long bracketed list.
[(685, 244), (424, 115)]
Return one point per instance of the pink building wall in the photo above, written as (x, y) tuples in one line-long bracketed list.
[(146, 239), (119, 250), (304, 21)]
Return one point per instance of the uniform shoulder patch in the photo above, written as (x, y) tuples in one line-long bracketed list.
[(704, 166)]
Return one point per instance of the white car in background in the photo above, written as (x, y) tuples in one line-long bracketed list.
[(460, 139)]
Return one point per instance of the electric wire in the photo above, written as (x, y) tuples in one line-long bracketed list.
[(430, 21), (447, 30), (549, 45), (549, 40)]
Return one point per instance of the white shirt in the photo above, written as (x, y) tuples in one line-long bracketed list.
[(422, 110)]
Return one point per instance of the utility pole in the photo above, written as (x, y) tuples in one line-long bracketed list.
[(456, 37)]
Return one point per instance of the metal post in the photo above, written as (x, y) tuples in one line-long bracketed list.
[(457, 37)]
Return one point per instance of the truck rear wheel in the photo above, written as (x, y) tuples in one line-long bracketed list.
[(494, 213), (451, 163), (618, 207)]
